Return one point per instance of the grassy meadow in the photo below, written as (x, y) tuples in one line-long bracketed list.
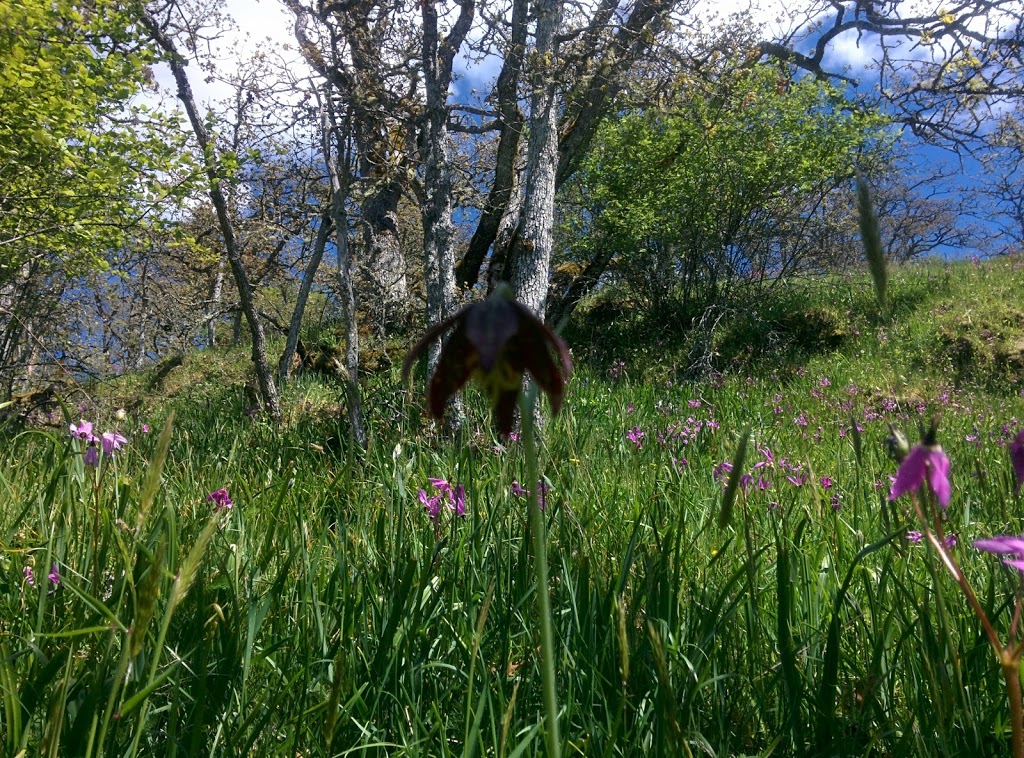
[(324, 613)]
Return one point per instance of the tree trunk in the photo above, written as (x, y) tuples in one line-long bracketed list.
[(511, 122), (264, 375), (216, 293), (533, 254), (323, 233), (388, 291), (438, 228), (17, 314), (138, 360), (339, 175), (498, 269), (9, 333)]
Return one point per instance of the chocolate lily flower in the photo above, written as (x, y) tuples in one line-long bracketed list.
[(498, 340)]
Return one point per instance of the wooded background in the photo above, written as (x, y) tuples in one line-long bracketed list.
[(644, 149)]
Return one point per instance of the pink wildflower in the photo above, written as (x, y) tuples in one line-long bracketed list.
[(924, 462), (220, 499), (82, 431), (1017, 459), (1005, 544)]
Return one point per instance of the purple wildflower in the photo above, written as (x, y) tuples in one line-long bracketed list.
[(635, 436), (54, 575), (1005, 544), (1017, 459), (721, 471), (457, 501), (82, 431), (826, 483), (923, 461), (220, 499), (92, 456), (519, 490), (769, 458), (111, 441), (542, 491), (432, 504), (914, 536), (440, 484), (454, 498), (30, 578), (950, 541)]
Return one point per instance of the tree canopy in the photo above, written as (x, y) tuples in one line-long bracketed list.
[(715, 183), (677, 153), (79, 164)]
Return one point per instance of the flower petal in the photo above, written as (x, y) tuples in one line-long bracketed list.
[(490, 326), (533, 348), (432, 334), (454, 367), (1003, 544), (938, 475), (1017, 459), (505, 411), (911, 473)]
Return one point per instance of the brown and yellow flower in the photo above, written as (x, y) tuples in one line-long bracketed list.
[(497, 340)]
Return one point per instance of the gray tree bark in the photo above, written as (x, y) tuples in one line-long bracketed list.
[(439, 256), (384, 267), (533, 260), (323, 233), (602, 53), (338, 172), (510, 129), (357, 51), (264, 375), (216, 295)]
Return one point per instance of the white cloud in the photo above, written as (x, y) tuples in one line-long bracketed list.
[(261, 26)]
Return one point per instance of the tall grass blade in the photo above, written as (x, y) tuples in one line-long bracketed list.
[(830, 675), (733, 485), (871, 237)]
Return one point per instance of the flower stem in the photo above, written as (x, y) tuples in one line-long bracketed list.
[(540, 556), (1009, 658), (954, 569), (1011, 673)]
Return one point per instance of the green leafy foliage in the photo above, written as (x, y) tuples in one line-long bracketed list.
[(79, 163), (719, 186)]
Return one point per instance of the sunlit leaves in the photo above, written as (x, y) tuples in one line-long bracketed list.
[(712, 181), (79, 163)]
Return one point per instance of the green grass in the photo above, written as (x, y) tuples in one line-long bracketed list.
[(325, 615)]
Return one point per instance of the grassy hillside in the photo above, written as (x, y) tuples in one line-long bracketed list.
[(324, 612)]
